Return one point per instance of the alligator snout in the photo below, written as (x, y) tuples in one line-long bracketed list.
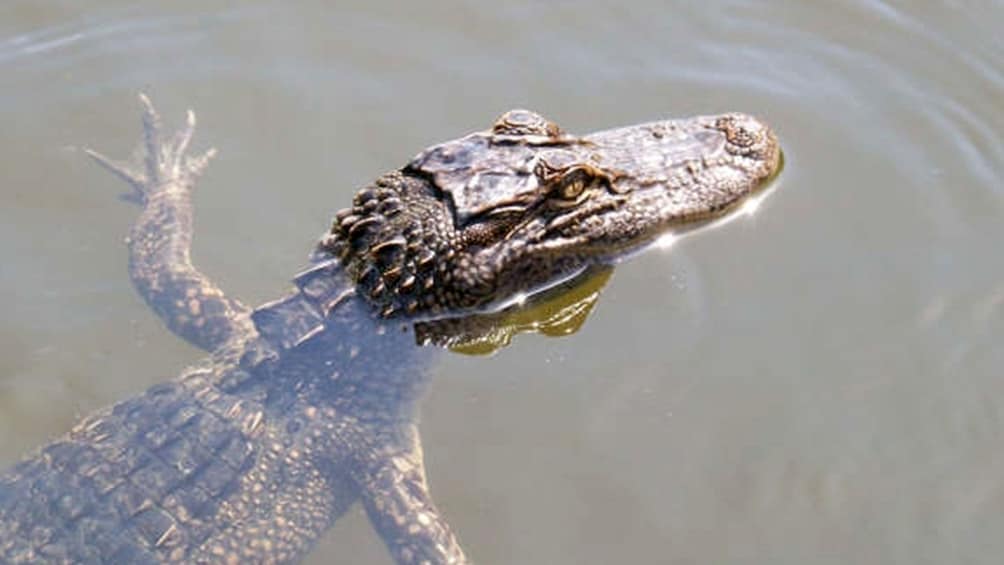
[(749, 137)]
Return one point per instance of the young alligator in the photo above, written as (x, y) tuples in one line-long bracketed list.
[(308, 403)]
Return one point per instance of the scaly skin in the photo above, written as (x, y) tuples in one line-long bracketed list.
[(309, 403)]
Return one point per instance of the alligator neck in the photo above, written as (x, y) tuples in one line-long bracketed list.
[(326, 347)]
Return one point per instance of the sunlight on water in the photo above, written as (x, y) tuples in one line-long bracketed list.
[(751, 205), (747, 209), (666, 241)]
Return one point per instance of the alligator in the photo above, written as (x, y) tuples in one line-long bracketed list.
[(308, 404)]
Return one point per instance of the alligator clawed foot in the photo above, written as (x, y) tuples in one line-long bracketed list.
[(164, 162)]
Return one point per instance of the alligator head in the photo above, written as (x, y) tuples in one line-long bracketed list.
[(488, 218)]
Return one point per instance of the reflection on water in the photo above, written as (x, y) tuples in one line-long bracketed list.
[(560, 311), (823, 386)]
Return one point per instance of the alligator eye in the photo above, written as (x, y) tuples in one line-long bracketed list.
[(572, 183), (525, 122), (565, 176)]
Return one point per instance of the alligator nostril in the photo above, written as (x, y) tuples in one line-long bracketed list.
[(740, 131)]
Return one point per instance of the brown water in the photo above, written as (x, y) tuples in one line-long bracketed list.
[(820, 383)]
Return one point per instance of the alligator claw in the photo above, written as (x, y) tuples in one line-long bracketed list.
[(163, 161)]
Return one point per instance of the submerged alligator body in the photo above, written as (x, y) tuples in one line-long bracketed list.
[(308, 404)]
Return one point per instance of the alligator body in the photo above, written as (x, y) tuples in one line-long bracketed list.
[(308, 404)]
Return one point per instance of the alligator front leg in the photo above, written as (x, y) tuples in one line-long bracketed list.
[(160, 265), (397, 499)]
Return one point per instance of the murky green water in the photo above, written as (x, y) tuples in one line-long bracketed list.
[(820, 383)]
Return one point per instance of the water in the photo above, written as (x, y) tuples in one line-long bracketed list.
[(820, 383)]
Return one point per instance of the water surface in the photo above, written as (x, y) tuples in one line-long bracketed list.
[(820, 383)]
